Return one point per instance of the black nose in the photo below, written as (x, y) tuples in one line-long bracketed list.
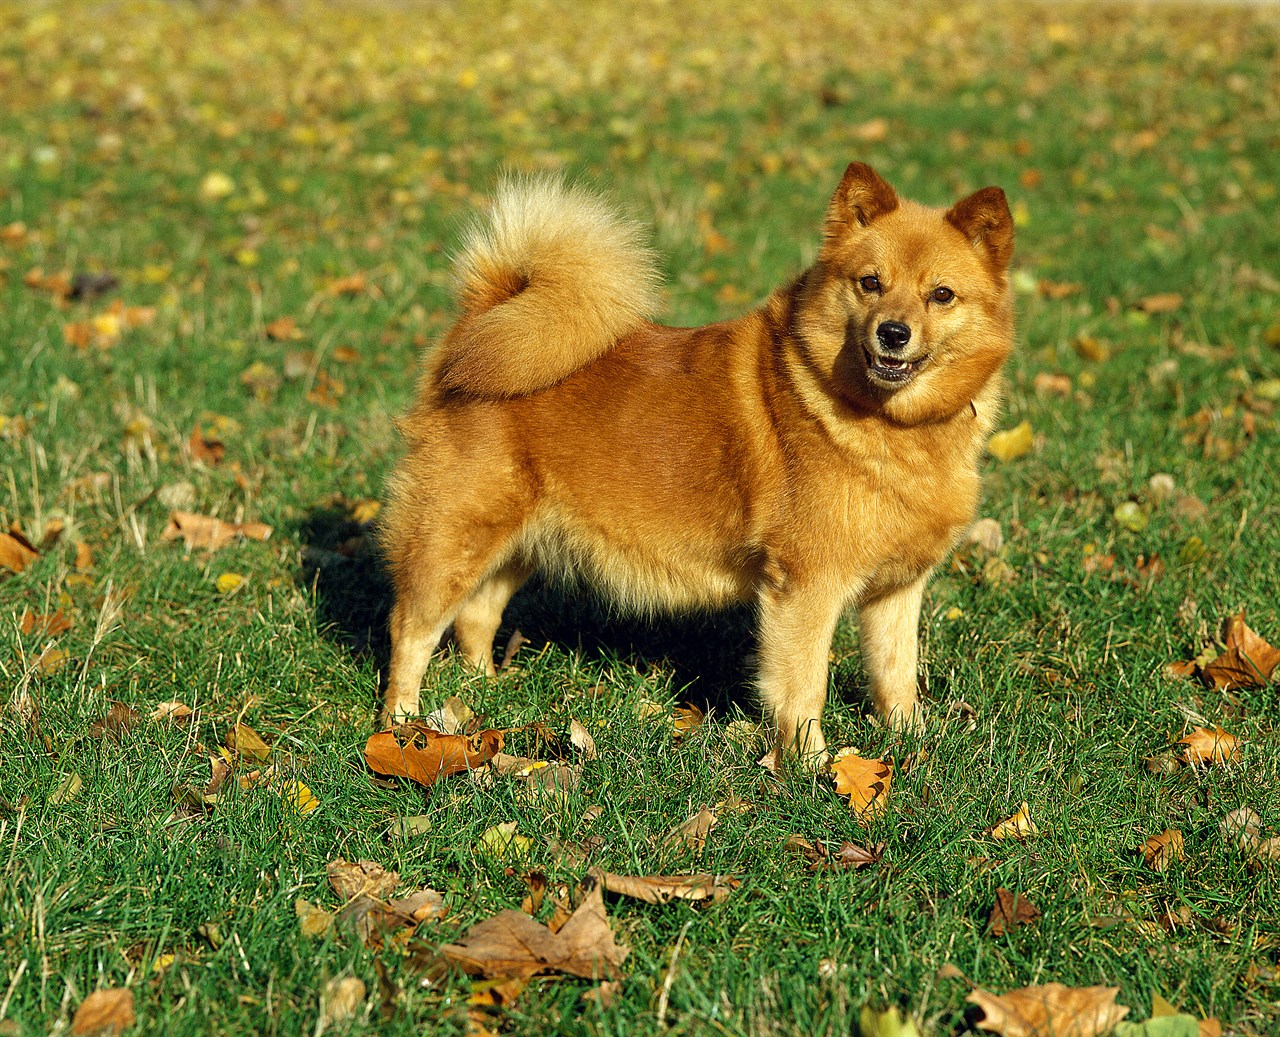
[(893, 334)]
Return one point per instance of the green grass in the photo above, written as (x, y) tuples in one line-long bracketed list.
[(1137, 145)]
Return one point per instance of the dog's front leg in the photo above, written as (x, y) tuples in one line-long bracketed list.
[(890, 627), (796, 626)]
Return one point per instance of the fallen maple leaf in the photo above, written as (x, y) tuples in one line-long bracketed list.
[(513, 944), (44, 626), (1051, 1010), (865, 782), (208, 533), (850, 855), (1160, 851), (1010, 911), (350, 879), (104, 1012), (424, 755), (1248, 661), (1210, 745), (1019, 826), (686, 719), (118, 721)]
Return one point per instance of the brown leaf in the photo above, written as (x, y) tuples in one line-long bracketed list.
[(104, 1012), (44, 626), (1010, 911), (283, 329), (687, 719), (119, 720), (580, 738), (1051, 1010), (1210, 745), (1163, 302), (313, 921), (350, 879), (1160, 851), (208, 533), (421, 754), (691, 833), (865, 782), (245, 742), (513, 944), (659, 889), (1248, 661), (204, 449), (1019, 826), (1243, 827), (174, 712), (16, 552), (1049, 384), (372, 918), (849, 856), (340, 1000), (451, 717), (1058, 289)]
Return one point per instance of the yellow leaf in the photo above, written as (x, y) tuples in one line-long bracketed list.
[(501, 841), (299, 796), (1051, 1010), (1161, 850), (1206, 745), (865, 782), (1019, 826), (216, 186), (1011, 443), (228, 582)]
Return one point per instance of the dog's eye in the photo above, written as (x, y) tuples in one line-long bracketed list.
[(943, 294), (870, 283)]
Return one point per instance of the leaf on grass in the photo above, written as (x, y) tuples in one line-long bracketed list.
[(1160, 851), (174, 712), (692, 833), (118, 721), (1248, 661), (1163, 302), (1012, 443), (849, 856), (1010, 911), (349, 879), (50, 625), (313, 921), (1019, 826), (208, 533), (502, 840), (865, 782), (371, 919), (68, 788), (686, 719), (104, 1012), (340, 1000), (244, 741), (283, 329), (16, 552), (424, 755), (513, 944), (298, 796), (1051, 1010), (888, 1023), (580, 738), (1205, 746), (660, 889), (1243, 828)]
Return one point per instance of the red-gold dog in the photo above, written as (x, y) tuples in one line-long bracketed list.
[(821, 451)]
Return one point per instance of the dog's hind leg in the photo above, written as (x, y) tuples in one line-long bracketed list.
[(437, 574), (477, 621)]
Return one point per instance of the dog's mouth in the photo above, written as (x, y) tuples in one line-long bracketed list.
[(893, 370)]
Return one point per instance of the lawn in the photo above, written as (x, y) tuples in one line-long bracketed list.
[(225, 232)]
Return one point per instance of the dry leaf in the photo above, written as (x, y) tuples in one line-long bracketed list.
[(686, 719), (350, 879), (68, 788), (16, 553), (104, 1012), (1051, 1010), (1160, 851), (1058, 289), (1011, 443), (172, 711), (1248, 661), (340, 1000), (865, 782), (580, 738), (44, 626), (451, 717), (371, 918), (659, 889), (208, 533), (1210, 745), (424, 755), (503, 841), (283, 329), (1163, 302), (1010, 911), (1243, 828), (513, 944), (849, 856), (691, 833), (313, 921), (119, 720), (244, 741), (1019, 826)]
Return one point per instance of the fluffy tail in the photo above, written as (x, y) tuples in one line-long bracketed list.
[(548, 280)]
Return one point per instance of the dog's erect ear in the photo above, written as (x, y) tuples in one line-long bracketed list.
[(862, 196), (984, 219)]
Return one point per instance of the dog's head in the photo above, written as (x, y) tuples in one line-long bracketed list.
[(908, 308)]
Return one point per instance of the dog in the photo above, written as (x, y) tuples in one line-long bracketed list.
[(820, 452)]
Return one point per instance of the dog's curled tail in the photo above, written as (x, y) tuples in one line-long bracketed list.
[(548, 280)]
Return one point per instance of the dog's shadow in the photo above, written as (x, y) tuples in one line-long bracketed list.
[(707, 656)]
